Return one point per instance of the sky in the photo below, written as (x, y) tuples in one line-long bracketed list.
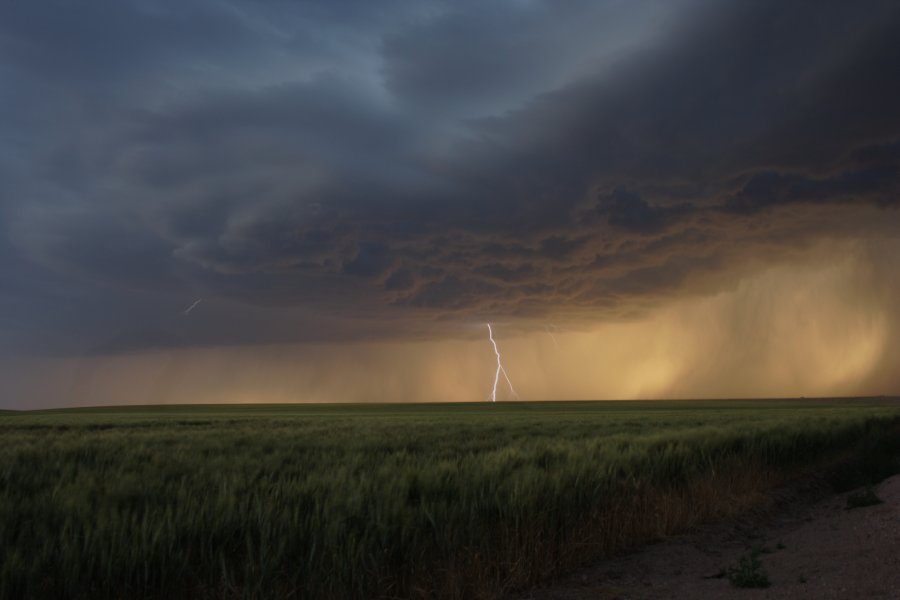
[(646, 198)]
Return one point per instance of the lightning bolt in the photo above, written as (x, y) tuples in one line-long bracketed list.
[(188, 310), (500, 368), (550, 333)]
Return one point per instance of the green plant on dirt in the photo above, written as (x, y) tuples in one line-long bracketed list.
[(748, 573), (863, 498)]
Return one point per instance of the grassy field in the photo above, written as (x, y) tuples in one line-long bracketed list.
[(367, 501)]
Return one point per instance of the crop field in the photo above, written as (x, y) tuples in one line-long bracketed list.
[(390, 501)]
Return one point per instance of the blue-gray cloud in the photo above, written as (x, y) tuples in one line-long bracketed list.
[(432, 160)]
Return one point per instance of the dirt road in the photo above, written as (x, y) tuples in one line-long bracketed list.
[(819, 550)]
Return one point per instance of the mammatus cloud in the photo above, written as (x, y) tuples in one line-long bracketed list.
[(339, 173)]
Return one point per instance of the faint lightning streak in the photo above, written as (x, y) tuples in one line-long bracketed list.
[(552, 337), (500, 368), (188, 310)]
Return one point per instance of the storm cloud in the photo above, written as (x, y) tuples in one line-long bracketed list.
[(326, 172)]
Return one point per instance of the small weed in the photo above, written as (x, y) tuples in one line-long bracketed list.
[(780, 546), (748, 573), (801, 579), (863, 498)]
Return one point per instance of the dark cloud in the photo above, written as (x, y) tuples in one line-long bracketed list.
[(558, 247), (631, 212), (872, 176), (372, 259), (511, 51), (400, 280), (429, 163)]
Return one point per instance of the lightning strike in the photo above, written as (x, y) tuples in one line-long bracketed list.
[(500, 368), (550, 329), (188, 310)]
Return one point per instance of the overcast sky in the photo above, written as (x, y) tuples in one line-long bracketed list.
[(355, 175)]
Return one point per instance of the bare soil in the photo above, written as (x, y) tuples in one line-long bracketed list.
[(810, 546)]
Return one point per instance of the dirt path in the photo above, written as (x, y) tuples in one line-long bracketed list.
[(817, 551)]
